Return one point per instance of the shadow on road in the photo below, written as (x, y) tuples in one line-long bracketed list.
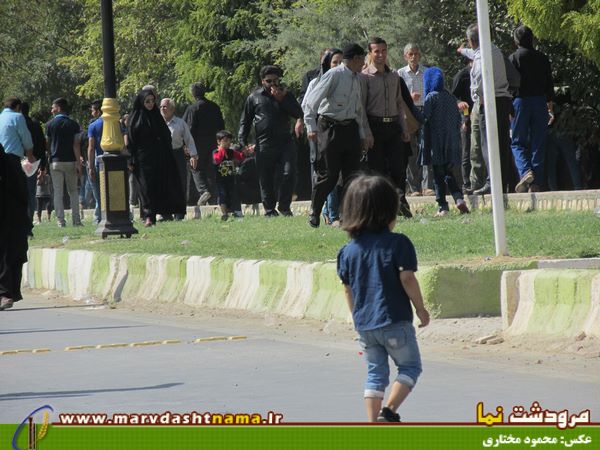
[(70, 329), (63, 394)]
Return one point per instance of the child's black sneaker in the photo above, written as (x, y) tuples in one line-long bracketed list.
[(387, 415), (224, 217)]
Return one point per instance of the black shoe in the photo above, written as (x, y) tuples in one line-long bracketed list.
[(404, 210), (286, 213), (272, 213), (486, 189), (314, 221), (224, 217), (387, 415)]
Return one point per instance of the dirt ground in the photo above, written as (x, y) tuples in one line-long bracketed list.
[(466, 340)]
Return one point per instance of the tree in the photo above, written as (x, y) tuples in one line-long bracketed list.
[(145, 49), (572, 22), (35, 36), (221, 42)]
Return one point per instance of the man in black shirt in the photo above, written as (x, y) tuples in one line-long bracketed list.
[(65, 159), (205, 121), (268, 110), (533, 110)]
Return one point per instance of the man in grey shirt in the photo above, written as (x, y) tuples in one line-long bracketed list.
[(503, 107), (341, 128)]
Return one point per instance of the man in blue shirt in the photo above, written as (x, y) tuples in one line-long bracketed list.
[(94, 150), (65, 159), (14, 135)]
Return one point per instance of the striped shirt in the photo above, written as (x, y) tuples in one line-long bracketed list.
[(414, 81)]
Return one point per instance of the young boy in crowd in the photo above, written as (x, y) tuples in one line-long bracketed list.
[(224, 159), (43, 196)]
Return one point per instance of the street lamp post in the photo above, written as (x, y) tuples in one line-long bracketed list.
[(114, 186)]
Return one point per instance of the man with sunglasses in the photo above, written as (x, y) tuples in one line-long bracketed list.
[(269, 109)]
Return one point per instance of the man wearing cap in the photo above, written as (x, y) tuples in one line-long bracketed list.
[(384, 106), (269, 110), (341, 127)]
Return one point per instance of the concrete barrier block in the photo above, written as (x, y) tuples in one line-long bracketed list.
[(273, 278), (525, 302), (61, 271), (556, 302), (591, 326), (221, 276), (115, 283), (246, 281), (101, 274), (79, 269), (174, 268), (327, 300), (509, 296), (298, 289), (49, 268), (136, 276), (197, 280)]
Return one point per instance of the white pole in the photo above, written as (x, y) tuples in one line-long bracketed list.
[(489, 102)]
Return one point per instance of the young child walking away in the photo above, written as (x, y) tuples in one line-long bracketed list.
[(224, 159), (441, 139), (43, 196), (377, 268)]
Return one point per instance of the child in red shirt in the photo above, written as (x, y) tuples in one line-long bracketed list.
[(224, 159)]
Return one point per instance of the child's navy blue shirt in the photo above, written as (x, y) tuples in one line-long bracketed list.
[(371, 264)]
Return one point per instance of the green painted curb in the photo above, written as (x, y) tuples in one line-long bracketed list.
[(328, 299), (136, 275), (221, 275), (99, 274), (562, 301), (272, 283)]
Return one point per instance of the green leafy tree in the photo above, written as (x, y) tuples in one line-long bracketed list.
[(35, 36), (572, 22), (145, 49), (221, 44)]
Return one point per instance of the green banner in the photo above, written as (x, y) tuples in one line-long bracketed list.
[(300, 437)]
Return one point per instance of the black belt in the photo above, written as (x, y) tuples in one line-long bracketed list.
[(392, 119), (341, 123)]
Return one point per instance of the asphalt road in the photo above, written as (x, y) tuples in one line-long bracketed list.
[(293, 369)]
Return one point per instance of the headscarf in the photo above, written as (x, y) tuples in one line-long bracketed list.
[(327, 57), (433, 80), (144, 120)]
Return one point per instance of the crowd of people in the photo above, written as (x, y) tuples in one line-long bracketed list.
[(356, 112), (404, 128), (359, 115)]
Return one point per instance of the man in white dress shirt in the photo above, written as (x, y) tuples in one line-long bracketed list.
[(182, 141)]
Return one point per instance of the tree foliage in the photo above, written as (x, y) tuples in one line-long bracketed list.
[(572, 22), (54, 48)]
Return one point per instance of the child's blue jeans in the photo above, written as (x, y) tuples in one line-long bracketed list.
[(399, 342)]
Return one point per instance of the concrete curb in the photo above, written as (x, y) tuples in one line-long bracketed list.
[(588, 200), (552, 302), (295, 289)]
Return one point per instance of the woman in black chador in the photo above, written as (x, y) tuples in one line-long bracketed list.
[(152, 160)]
